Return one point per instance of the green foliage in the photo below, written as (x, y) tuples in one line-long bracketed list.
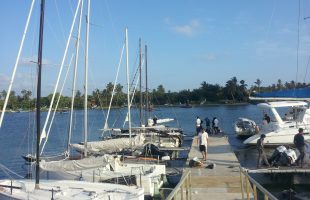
[(233, 92)]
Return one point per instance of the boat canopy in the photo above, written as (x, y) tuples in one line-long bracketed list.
[(278, 104), (290, 93)]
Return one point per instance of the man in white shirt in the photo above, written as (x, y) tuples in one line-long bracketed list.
[(216, 125), (198, 125), (203, 143)]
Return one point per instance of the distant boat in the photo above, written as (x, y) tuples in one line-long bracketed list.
[(186, 105)]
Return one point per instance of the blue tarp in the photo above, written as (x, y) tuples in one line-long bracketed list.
[(291, 93)]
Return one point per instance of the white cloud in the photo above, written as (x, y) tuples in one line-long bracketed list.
[(32, 61), (209, 57), (4, 81), (190, 29)]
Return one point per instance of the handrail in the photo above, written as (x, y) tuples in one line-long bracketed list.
[(184, 183), (256, 185)]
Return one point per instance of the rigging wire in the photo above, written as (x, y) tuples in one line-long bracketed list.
[(298, 30)]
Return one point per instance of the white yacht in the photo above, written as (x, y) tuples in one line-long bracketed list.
[(285, 118)]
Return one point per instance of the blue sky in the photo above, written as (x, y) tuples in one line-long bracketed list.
[(188, 41)]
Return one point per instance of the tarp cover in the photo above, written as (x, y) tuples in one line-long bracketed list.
[(76, 165), (112, 145)]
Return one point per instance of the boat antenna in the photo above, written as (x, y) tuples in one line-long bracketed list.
[(140, 70), (38, 114), (146, 88)]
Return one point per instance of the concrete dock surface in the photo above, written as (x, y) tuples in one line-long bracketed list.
[(221, 182)]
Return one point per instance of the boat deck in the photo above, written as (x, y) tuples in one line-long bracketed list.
[(221, 182)]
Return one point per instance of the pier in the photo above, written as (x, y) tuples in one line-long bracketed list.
[(221, 182)]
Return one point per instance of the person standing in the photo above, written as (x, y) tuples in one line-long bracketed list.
[(215, 124), (198, 125), (203, 143), (267, 118), (261, 152), (299, 142), (207, 124)]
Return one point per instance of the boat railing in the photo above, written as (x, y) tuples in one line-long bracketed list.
[(251, 188), (183, 189)]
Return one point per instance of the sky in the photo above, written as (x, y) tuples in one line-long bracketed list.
[(188, 42)]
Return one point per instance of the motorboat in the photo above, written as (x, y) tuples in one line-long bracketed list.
[(278, 130), (245, 127)]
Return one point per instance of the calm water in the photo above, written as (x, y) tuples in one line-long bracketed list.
[(17, 135)]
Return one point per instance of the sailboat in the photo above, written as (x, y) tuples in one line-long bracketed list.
[(103, 167), (153, 130), (62, 189)]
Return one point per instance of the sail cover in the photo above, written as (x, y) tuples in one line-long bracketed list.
[(77, 165), (111, 146), (291, 93)]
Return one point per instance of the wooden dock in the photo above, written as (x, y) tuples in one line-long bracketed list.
[(221, 182)]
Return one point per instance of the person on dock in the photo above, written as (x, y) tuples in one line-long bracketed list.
[(266, 118), (203, 143), (215, 125), (208, 127), (261, 152), (198, 125), (299, 142)]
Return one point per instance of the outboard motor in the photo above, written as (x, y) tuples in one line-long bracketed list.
[(287, 158), (291, 155), (277, 154)]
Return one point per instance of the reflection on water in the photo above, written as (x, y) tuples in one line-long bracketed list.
[(17, 136)]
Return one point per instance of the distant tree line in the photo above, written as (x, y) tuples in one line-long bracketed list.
[(234, 91)]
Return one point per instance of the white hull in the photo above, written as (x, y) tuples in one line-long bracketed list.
[(281, 136), (279, 129), (148, 176), (67, 190)]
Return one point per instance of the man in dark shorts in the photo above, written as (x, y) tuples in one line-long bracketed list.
[(299, 142), (203, 143)]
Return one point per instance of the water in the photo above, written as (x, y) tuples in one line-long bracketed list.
[(17, 136)]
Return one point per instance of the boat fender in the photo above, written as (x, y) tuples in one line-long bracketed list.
[(164, 158), (256, 129)]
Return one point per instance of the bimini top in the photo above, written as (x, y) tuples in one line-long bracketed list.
[(277, 104)]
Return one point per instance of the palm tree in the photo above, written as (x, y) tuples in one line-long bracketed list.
[(279, 84), (231, 87), (258, 82)]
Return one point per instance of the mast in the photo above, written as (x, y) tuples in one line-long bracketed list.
[(146, 87), (140, 70), (16, 64), (74, 77), (39, 94), (128, 87), (86, 86)]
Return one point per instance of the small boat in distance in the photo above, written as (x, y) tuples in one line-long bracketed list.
[(186, 105)]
